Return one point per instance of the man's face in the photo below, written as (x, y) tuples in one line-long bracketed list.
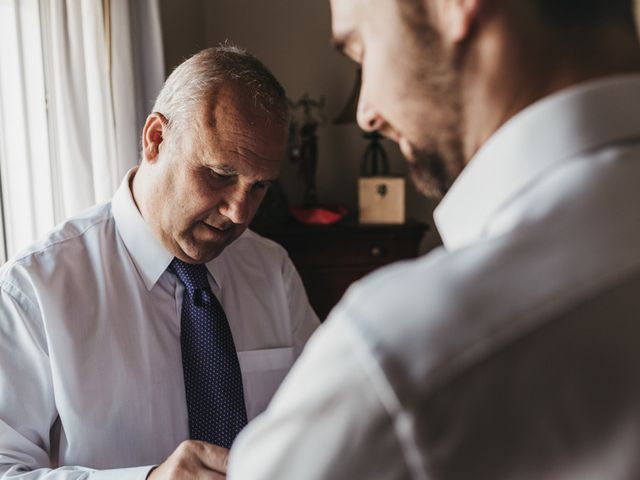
[(210, 181), (410, 91)]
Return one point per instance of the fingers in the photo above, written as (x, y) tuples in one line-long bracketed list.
[(193, 460), (214, 457), (207, 475)]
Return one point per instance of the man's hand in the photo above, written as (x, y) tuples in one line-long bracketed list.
[(193, 460)]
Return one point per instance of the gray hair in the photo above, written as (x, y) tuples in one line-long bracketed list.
[(193, 83)]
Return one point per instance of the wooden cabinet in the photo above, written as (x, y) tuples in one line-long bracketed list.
[(330, 258)]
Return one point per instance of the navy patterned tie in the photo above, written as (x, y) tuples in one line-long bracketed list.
[(212, 378)]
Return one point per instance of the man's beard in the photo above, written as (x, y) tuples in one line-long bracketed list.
[(436, 154), (434, 168), (429, 175)]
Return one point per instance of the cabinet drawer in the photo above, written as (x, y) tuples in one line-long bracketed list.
[(325, 286), (330, 258), (324, 251), (349, 244)]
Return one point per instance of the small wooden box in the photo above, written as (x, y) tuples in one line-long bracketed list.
[(381, 199)]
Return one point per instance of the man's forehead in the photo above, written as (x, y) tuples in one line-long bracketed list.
[(359, 19), (258, 161), (236, 136), (346, 16), (231, 100)]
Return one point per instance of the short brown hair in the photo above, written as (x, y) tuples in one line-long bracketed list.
[(585, 13), (557, 13)]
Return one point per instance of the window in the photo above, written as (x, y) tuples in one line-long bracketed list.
[(25, 163), (74, 93)]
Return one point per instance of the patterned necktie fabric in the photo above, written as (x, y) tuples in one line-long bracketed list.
[(212, 377)]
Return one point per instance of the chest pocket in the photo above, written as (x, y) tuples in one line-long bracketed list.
[(262, 374)]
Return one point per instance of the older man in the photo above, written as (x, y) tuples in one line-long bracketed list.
[(513, 351), (158, 317)]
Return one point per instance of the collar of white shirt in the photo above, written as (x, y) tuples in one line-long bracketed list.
[(149, 256), (530, 144)]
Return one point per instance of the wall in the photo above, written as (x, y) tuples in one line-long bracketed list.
[(292, 37)]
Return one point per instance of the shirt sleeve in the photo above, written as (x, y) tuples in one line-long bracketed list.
[(27, 405), (304, 319), (326, 421)]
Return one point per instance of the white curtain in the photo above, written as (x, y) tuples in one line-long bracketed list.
[(81, 78)]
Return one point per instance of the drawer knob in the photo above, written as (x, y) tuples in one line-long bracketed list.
[(377, 251)]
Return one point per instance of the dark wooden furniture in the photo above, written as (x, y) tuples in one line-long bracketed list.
[(330, 258)]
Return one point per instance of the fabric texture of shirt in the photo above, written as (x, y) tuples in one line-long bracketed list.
[(509, 353), (91, 380)]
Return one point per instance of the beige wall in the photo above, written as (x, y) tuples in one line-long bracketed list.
[(292, 37)]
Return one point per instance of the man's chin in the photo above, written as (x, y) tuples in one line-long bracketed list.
[(207, 242), (427, 185), (199, 253), (197, 250), (428, 171)]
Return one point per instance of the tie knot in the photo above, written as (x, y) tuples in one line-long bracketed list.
[(192, 276)]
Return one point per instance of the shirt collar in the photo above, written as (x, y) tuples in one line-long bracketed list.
[(530, 144), (148, 254)]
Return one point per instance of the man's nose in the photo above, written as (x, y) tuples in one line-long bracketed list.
[(368, 117), (237, 205)]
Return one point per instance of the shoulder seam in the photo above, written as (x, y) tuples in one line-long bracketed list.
[(12, 290), (79, 234)]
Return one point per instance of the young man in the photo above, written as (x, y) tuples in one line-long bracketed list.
[(157, 318), (511, 352)]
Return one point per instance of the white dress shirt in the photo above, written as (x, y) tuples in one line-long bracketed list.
[(91, 381), (510, 353)]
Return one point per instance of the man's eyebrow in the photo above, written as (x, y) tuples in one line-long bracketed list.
[(223, 169)]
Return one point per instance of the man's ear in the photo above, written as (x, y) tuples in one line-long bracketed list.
[(455, 18), (152, 136)]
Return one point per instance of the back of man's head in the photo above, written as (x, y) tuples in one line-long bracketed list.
[(561, 14), (193, 85), (585, 13)]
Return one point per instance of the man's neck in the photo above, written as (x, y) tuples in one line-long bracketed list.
[(135, 187), (505, 72)]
